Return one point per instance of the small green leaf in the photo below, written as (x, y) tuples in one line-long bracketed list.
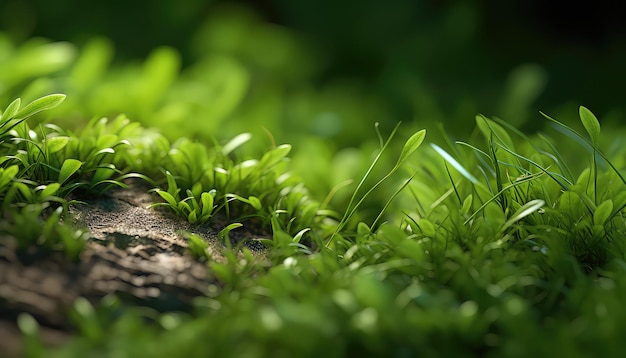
[(603, 212), (84, 308), (41, 104), (87, 319), (192, 217), (196, 189), (104, 151), (411, 146), (207, 204), (426, 227), (255, 202), (197, 247), (69, 167), (172, 187), (103, 173), (275, 155), (55, 144), (192, 198), (223, 234), (184, 207), (11, 110), (467, 204), (236, 142), (363, 229), (49, 190), (526, 209), (167, 197), (300, 234), (6, 175), (27, 325), (454, 163), (107, 140), (591, 124), (23, 189)]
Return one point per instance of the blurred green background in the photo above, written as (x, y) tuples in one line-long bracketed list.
[(316, 73), (508, 59)]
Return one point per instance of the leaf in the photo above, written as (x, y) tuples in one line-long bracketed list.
[(591, 124), (27, 325), (275, 155), (411, 146), (454, 163), (55, 144), (363, 229), (41, 104), (467, 204), (167, 197), (236, 143), (172, 187), (49, 190), (603, 212), (69, 167), (192, 217), (300, 234), (194, 202), (104, 151), (207, 204), (426, 227), (11, 110), (526, 209), (255, 202), (102, 173), (184, 207), (6, 175), (223, 234)]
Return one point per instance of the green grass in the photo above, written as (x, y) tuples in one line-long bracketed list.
[(502, 244)]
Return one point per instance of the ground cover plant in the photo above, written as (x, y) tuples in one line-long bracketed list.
[(501, 242)]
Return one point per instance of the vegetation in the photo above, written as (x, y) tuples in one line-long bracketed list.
[(504, 243)]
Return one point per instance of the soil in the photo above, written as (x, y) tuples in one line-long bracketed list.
[(134, 252)]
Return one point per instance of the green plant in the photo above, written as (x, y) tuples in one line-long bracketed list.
[(410, 146), (38, 230), (198, 247)]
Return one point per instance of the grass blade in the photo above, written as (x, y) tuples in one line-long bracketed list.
[(236, 142), (448, 158), (527, 209)]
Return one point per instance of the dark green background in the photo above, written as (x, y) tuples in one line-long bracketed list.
[(456, 49)]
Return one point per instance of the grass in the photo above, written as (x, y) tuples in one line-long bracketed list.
[(503, 244)]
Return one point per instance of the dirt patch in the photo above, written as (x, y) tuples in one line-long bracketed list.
[(134, 252)]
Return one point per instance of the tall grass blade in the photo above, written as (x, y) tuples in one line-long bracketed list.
[(448, 158)]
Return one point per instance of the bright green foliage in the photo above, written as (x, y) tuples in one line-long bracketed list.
[(198, 247), (35, 235), (505, 244), (475, 256), (13, 115)]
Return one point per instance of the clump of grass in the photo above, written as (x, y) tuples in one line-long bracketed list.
[(36, 231)]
